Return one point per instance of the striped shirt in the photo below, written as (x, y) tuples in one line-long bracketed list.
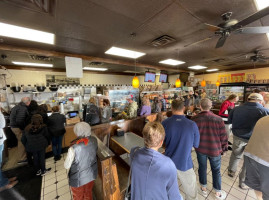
[(213, 136)]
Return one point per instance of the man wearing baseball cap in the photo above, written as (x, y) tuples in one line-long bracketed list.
[(243, 119)]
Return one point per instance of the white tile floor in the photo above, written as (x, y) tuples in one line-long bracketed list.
[(55, 184), (229, 185)]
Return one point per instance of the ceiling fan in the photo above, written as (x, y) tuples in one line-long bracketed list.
[(225, 29), (257, 57)]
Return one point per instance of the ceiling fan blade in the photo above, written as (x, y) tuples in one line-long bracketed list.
[(212, 28), (200, 41), (254, 30), (221, 42), (258, 15)]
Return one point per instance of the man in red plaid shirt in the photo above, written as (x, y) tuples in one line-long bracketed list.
[(213, 142)]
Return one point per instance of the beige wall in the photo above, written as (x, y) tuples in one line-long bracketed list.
[(34, 77), (261, 73)]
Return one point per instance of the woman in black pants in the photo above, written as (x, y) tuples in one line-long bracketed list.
[(56, 128), (35, 139)]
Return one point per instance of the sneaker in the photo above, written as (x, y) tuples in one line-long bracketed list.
[(222, 195), (46, 172), (231, 173), (22, 162), (38, 173), (202, 192), (243, 186)]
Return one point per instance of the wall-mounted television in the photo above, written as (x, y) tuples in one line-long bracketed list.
[(163, 78), (150, 77)]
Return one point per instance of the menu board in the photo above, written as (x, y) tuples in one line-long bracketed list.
[(150, 77)]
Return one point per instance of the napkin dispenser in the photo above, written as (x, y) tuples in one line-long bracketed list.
[(120, 132)]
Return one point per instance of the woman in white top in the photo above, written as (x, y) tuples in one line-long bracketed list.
[(4, 182)]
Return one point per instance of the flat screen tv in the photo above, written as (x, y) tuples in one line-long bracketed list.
[(150, 77), (163, 78)]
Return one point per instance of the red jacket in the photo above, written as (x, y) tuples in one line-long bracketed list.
[(225, 106)]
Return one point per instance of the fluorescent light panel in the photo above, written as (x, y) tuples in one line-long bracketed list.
[(261, 4), (32, 64), (19, 32), (124, 52), (197, 67), (212, 70), (172, 62), (94, 69)]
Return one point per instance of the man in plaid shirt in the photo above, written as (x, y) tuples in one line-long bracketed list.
[(213, 141)]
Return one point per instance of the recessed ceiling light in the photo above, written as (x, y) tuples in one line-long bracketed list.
[(94, 69), (261, 4), (172, 62), (212, 70), (124, 52), (19, 32), (32, 64), (197, 67)]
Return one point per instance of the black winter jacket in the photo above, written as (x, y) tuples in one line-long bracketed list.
[(35, 141), (56, 124), (18, 116)]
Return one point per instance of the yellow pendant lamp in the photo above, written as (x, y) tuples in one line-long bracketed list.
[(135, 82), (217, 83), (203, 83), (178, 83)]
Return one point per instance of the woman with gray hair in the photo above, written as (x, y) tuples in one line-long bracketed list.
[(81, 162)]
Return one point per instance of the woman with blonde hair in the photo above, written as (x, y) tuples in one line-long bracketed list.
[(266, 100), (146, 108)]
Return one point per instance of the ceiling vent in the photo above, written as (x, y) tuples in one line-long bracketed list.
[(40, 58), (231, 64), (162, 41), (95, 63)]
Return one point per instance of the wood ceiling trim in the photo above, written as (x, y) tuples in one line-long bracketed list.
[(18, 67), (84, 57)]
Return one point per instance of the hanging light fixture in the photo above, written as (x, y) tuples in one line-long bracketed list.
[(135, 81), (203, 83), (178, 83), (217, 83)]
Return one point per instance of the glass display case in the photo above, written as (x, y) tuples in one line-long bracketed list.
[(232, 88), (251, 87), (118, 98)]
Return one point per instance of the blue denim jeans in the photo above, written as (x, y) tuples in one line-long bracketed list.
[(3, 179), (57, 145), (215, 163)]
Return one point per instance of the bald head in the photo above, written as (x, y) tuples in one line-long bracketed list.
[(26, 100)]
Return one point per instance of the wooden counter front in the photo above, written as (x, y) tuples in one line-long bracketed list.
[(102, 131)]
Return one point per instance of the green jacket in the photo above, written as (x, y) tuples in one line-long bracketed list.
[(132, 110)]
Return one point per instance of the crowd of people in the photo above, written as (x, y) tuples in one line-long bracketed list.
[(208, 134), (154, 175)]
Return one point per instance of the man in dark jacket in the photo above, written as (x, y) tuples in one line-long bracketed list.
[(18, 118), (243, 119)]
